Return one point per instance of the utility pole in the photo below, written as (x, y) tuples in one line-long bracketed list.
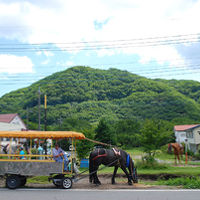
[(45, 122), (60, 121), (27, 117), (39, 93), (45, 112)]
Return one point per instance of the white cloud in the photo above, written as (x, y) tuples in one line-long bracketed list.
[(14, 64), (69, 63), (66, 21), (38, 53), (45, 62), (48, 53)]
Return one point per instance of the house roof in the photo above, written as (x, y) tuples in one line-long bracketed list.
[(185, 127), (7, 118)]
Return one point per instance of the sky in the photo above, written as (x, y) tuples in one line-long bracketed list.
[(155, 39)]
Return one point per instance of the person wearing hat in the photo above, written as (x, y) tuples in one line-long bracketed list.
[(60, 156)]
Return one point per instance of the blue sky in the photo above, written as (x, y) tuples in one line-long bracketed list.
[(155, 39)]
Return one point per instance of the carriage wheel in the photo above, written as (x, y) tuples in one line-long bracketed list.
[(13, 181), (67, 183)]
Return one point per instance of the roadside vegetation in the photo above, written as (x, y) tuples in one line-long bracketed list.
[(184, 182)]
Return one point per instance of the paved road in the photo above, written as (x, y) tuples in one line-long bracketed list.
[(73, 194)]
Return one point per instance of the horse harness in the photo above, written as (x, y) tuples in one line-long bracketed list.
[(117, 154), (99, 155)]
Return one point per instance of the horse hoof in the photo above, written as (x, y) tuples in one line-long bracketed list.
[(130, 183), (98, 183)]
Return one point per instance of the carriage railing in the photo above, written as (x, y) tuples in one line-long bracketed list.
[(27, 157), (35, 158)]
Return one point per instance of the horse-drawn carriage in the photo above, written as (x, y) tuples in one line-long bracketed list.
[(16, 167), (16, 170)]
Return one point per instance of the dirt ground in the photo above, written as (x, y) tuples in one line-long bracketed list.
[(121, 183)]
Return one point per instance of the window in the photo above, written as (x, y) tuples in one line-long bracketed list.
[(189, 134)]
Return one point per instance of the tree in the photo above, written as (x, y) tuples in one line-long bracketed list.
[(154, 134), (127, 131), (83, 147), (105, 132)]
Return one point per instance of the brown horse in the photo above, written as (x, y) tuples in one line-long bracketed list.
[(178, 151)]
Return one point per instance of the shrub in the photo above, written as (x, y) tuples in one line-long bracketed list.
[(149, 162), (186, 182), (196, 156)]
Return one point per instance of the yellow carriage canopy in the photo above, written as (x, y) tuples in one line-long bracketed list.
[(42, 134)]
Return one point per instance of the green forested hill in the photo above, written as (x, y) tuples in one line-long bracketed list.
[(186, 87), (90, 94)]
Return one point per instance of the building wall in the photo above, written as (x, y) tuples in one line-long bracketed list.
[(193, 147), (196, 132), (15, 125), (18, 122), (10, 127), (193, 138), (180, 136)]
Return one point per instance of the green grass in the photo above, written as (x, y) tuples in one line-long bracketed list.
[(187, 170), (135, 151), (185, 182), (164, 156), (38, 179), (194, 163)]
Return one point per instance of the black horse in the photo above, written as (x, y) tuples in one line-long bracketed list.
[(111, 158)]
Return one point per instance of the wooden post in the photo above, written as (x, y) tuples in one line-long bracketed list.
[(72, 164), (186, 154), (45, 112), (30, 148), (10, 147), (51, 146), (186, 157)]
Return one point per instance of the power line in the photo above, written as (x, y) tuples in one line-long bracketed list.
[(106, 41), (50, 82), (114, 45), (160, 70), (118, 64)]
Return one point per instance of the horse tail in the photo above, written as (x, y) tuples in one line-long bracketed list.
[(169, 148)]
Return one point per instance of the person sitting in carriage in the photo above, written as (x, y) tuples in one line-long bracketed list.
[(21, 152), (59, 156)]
